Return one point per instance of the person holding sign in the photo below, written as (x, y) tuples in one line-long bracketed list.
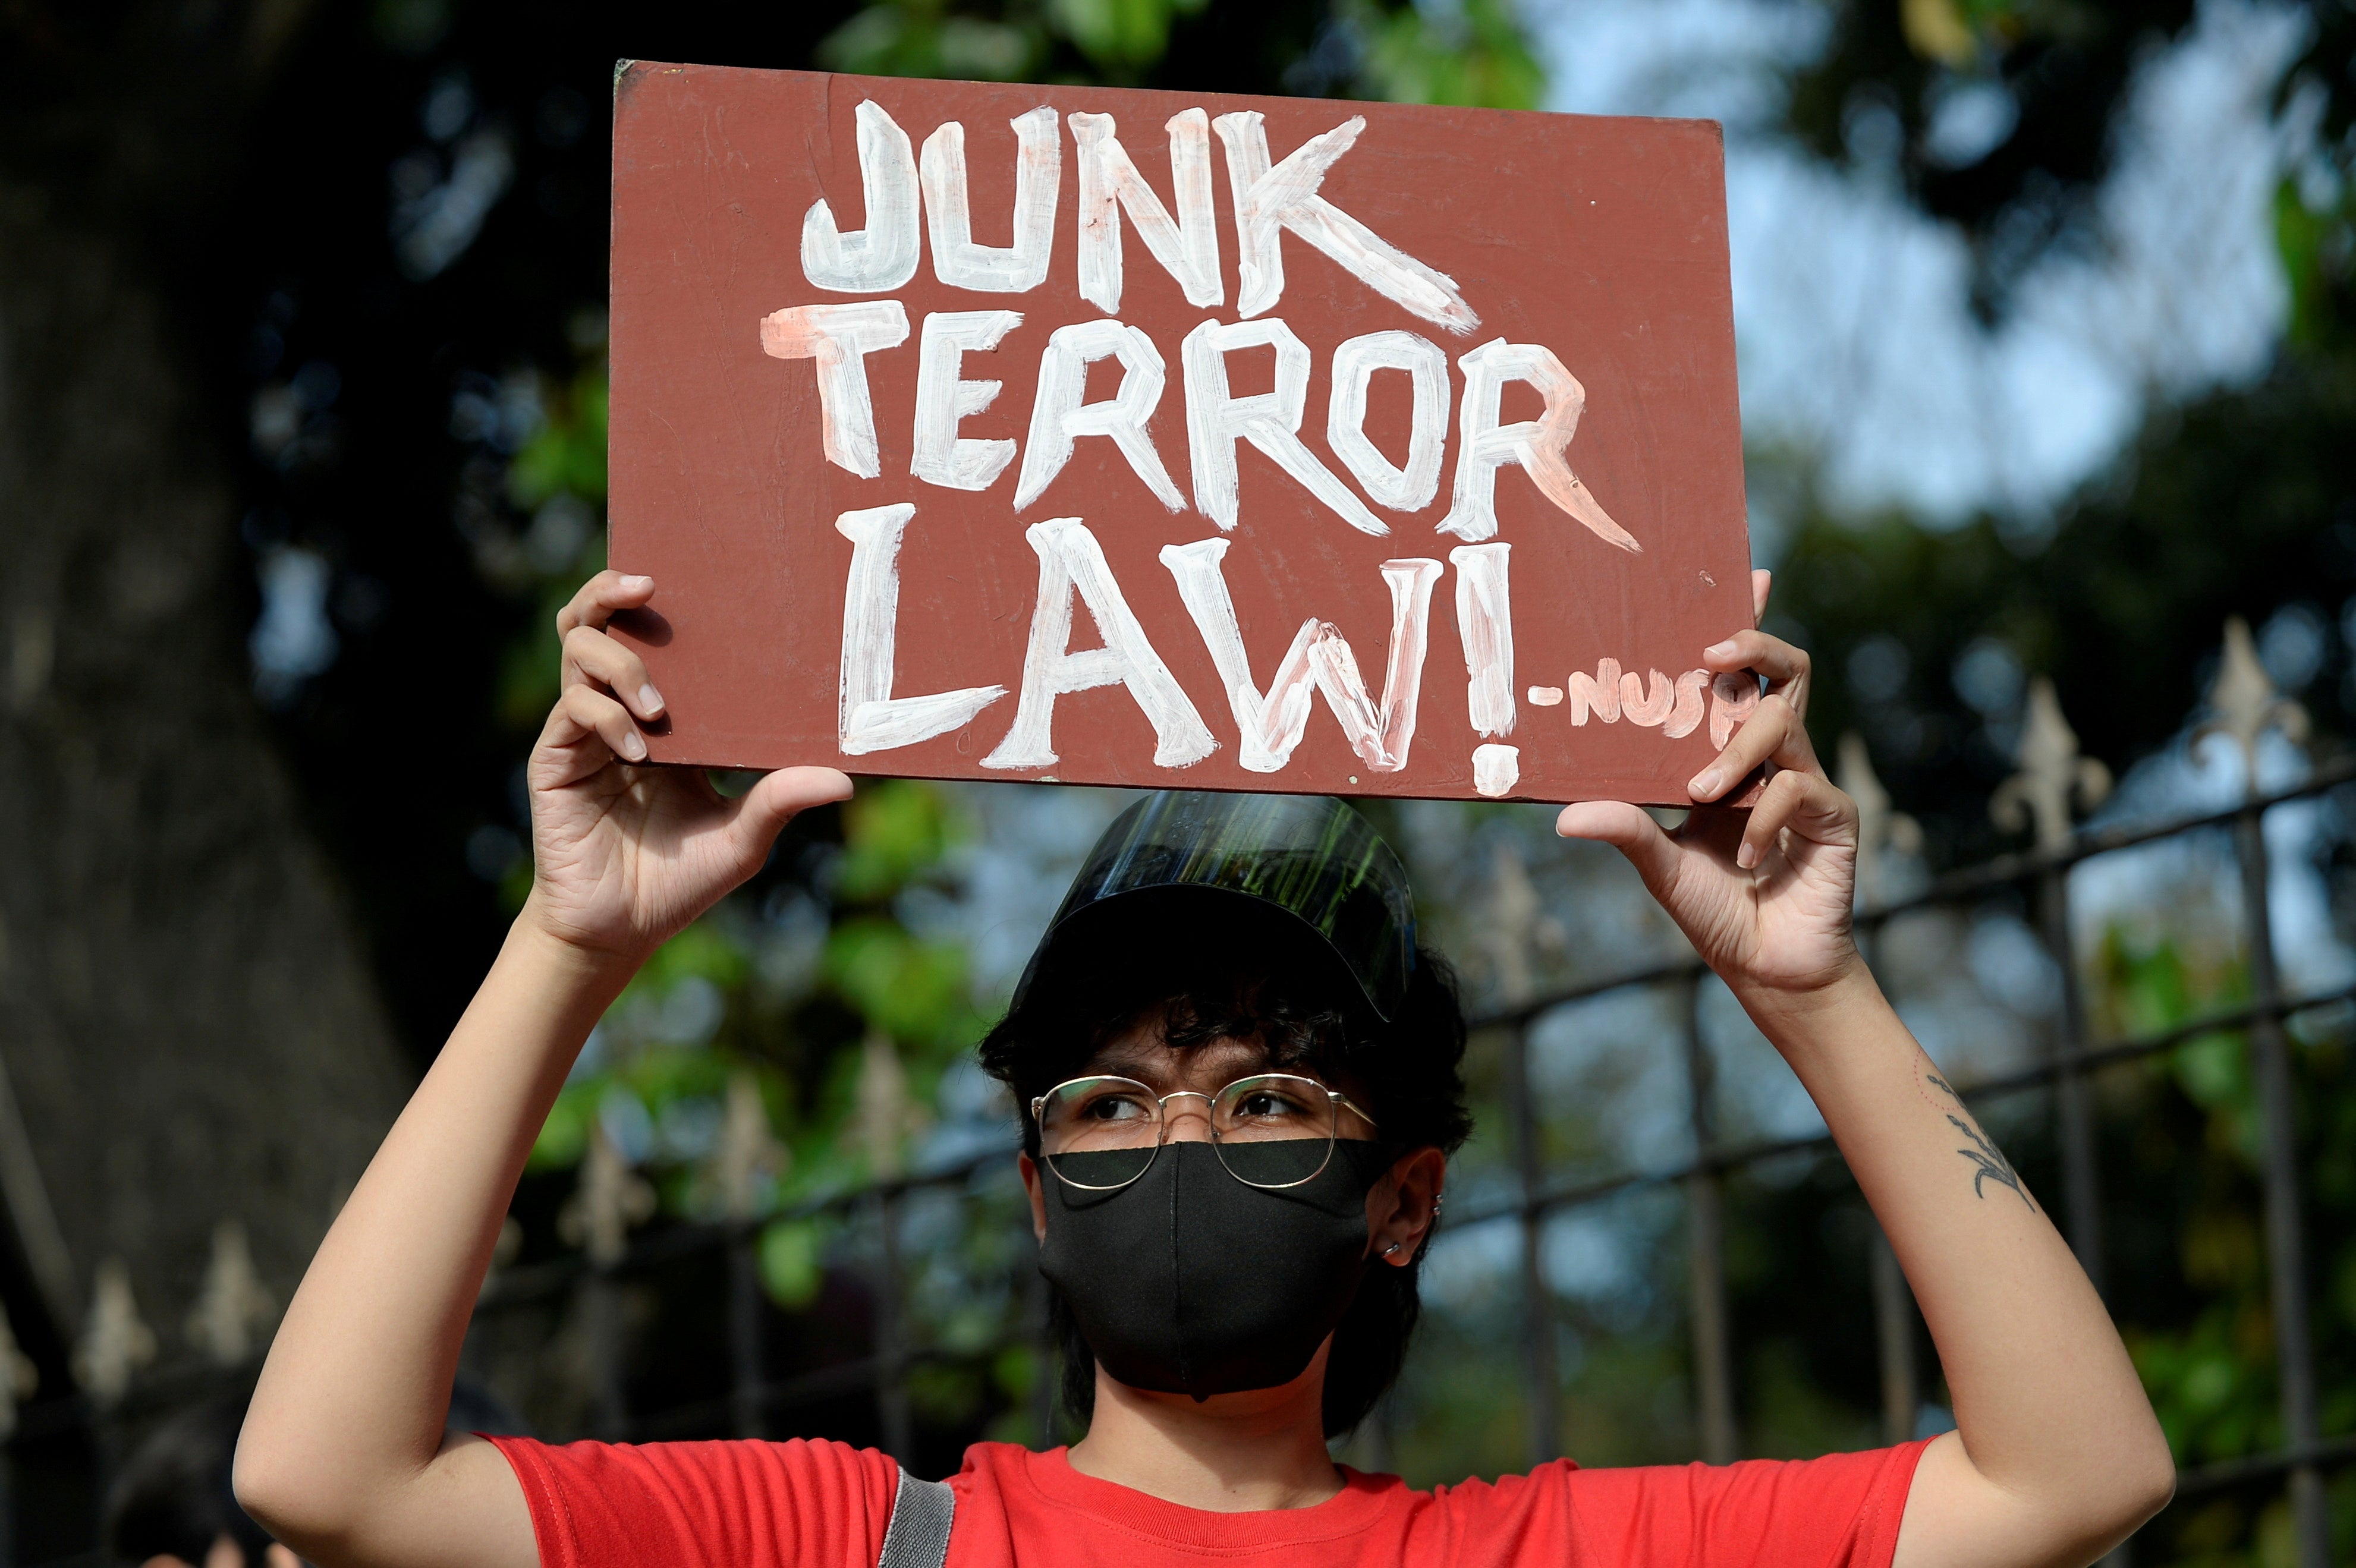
[(1238, 1084)]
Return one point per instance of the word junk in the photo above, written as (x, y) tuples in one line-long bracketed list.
[(840, 338)]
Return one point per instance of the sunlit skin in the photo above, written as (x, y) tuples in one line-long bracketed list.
[(2055, 1458)]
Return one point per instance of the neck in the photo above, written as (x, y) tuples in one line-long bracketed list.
[(1232, 1453)]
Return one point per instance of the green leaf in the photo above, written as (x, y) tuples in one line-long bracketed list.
[(1473, 53), (2302, 238), (705, 950), (894, 831), (531, 671), (1115, 34), (792, 1262), (662, 1075), (915, 39), (914, 991), (1016, 1372), (945, 1395), (568, 454), (564, 1137)]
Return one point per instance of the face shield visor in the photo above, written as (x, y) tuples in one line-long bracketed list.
[(1181, 860)]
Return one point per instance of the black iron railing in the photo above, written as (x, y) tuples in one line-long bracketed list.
[(755, 1402)]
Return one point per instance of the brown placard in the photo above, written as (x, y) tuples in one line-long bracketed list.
[(1237, 542)]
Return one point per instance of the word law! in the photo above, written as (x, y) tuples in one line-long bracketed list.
[(840, 337)]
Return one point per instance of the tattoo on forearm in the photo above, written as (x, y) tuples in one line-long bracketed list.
[(1988, 1163)]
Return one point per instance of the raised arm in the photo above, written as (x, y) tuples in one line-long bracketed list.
[(343, 1456), (2056, 1456)]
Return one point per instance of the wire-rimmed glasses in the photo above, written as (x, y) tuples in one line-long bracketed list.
[(1270, 1130)]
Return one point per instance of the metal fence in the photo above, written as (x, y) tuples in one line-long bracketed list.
[(2075, 1057), (587, 1294)]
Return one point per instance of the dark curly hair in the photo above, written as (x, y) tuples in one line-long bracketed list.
[(1206, 969)]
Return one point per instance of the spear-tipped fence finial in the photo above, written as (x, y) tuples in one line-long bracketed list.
[(610, 1198), (1514, 930), (748, 1158), (886, 1117), (2051, 774), (1879, 828), (115, 1342), (233, 1306), (2243, 703), (1508, 932)]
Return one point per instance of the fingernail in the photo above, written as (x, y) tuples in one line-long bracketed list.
[(650, 699), (1705, 784), (1746, 855), (637, 584), (634, 747), (1724, 650)]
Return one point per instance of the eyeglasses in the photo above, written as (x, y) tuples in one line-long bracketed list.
[(1271, 1130)]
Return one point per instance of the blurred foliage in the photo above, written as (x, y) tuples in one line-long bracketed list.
[(1472, 52), (1999, 116), (476, 394), (2241, 503), (1995, 113), (896, 829), (567, 455), (2200, 1323)]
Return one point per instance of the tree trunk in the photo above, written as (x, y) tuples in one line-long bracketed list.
[(188, 1029)]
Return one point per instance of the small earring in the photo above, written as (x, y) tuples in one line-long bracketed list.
[(1389, 1250)]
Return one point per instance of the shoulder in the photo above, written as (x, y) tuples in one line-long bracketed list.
[(1840, 1509), (1545, 1487), (802, 1461), (1767, 1486), (993, 1462), (753, 1503), (997, 1477)]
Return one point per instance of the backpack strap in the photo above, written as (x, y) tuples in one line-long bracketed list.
[(919, 1535)]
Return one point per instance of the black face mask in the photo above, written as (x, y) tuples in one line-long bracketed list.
[(1188, 1281)]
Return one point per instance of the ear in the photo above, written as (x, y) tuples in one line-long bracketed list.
[(1031, 1184), (1404, 1205)]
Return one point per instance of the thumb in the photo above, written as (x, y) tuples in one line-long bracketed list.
[(758, 815), (1628, 829)]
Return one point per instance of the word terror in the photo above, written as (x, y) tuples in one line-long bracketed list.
[(1268, 202), (1270, 199)]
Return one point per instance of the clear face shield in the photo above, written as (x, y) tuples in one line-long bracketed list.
[(1309, 857)]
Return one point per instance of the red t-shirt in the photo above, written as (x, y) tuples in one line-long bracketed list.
[(824, 1504)]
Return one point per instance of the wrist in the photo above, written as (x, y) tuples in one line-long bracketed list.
[(565, 956), (1800, 1019)]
